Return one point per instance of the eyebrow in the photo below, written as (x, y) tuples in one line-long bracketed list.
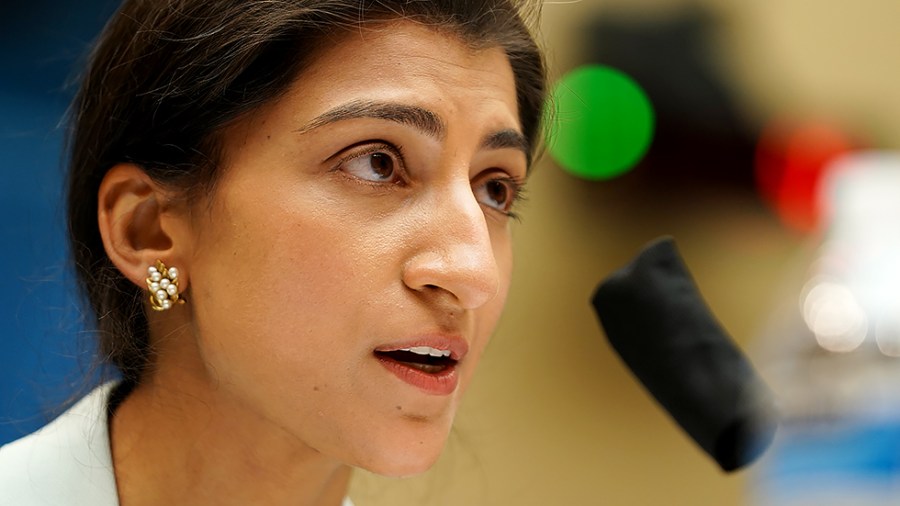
[(507, 138), (411, 115), (417, 117)]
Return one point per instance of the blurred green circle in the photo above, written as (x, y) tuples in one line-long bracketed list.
[(600, 122)]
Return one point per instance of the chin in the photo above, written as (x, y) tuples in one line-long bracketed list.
[(403, 466), (406, 453)]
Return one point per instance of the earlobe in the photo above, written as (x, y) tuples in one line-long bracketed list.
[(134, 223)]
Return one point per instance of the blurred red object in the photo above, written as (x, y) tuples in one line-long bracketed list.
[(789, 162)]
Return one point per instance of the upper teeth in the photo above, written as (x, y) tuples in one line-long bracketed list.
[(427, 350)]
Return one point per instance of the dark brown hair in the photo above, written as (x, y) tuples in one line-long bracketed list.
[(167, 76)]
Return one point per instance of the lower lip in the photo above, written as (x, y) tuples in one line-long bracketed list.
[(441, 383)]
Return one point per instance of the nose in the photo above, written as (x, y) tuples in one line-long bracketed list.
[(454, 252)]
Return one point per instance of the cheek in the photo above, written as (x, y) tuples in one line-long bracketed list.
[(274, 288), (286, 302)]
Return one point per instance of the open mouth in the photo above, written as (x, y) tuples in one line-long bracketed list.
[(422, 358)]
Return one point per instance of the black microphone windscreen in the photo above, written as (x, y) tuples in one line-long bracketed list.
[(656, 320)]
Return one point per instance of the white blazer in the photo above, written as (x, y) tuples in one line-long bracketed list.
[(66, 463)]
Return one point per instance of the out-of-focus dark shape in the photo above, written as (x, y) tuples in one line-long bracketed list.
[(659, 324), (40, 40), (701, 136)]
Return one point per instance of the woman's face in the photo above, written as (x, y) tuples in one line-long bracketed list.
[(364, 213)]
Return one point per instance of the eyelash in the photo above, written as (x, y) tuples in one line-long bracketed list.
[(517, 189), (368, 148), (515, 185)]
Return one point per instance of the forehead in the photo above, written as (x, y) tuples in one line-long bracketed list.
[(385, 41), (403, 60)]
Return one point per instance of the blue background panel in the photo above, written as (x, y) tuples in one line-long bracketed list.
[(45, 355)]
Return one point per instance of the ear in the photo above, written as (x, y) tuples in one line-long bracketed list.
[(139, 224)]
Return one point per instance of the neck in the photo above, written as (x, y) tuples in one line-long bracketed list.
[(176, 440)]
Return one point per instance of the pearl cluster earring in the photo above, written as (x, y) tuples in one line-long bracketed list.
[(162, 282)]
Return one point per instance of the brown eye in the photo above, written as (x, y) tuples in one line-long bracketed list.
[(378, 166), (382, 165), (499, 194)]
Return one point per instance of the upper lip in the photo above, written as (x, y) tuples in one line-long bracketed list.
[(457, 346)]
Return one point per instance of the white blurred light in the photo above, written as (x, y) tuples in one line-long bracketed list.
[(887, 335), (834, 316)]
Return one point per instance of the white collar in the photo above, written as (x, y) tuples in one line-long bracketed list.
[(66, 462), (69, 461)]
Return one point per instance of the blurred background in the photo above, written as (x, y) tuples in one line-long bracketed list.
[(759, 134), (44, 356)]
